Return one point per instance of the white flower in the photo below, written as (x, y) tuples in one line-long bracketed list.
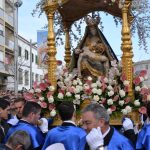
[(41, 98), (114, 63), (148, 97), (68, 94), (109, 87), (137, 88), (89, 78), (109, 111), (77, 96), (126, 82), (31, 91), (93, 85), (99, 92), (121, 102), (51, 99), (146, 77), (79, 87), (111, 93), (51, 88), (128, 108), (53, 113), (109, 101), (77, 90), (94, 90), (124, 111), (141, 79), (60, 96), (144, 86), (99, 83), (75, 82), (86, 86), (38, 90), (67, 80), (122, 93), (76, 101), (106, 80), (96, 98), (136, 102)]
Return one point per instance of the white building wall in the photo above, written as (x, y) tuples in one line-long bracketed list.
[(24, 64), (143, 65)]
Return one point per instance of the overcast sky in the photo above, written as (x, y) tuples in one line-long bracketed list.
[(29, 25)]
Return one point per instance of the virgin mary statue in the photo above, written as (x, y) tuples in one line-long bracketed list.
[(93, 54)]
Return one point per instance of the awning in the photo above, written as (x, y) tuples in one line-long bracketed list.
[(5, 73)]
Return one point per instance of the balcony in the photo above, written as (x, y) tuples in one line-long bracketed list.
[(9, 19), (9, 43)]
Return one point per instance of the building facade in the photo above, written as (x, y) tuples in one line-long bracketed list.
[(143, 65), (7, 53)]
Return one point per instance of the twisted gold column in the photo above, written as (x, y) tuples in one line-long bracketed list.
[(50, 7), (126, 46), (67, 47)]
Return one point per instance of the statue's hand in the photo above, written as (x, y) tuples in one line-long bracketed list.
[(78, 51)]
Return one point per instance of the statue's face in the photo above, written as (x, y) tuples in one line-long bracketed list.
[(93, 30)]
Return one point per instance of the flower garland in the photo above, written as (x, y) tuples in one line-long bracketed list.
[(111, 92)]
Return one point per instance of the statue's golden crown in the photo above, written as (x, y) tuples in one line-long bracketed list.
[(90, 21)]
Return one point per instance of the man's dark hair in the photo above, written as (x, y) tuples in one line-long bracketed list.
[(66, 110), (148, 109), (30, 107), (19, 99), (4, 103)]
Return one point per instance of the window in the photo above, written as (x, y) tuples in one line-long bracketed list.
[(1, 56), (41, 77), (36, 77), (32, 77), (1, 29), (32, 57), (20, 76), (19, 53), (26, 55), (26, 77), (146, 66), (36, 59)]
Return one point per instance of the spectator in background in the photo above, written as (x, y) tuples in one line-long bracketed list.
[(4, 111), (19, 140), (30, 116)]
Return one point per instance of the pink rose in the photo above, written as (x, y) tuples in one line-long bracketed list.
[(38, 94), (137, 81), (42, 86), (51, 106), (71, 89), (35, 85), (49, 94), (143, 110), (123, 77), (127, 100), (126, 88), (28, 96), (43, 104), (143, 73), (113, 108), (116, 98)]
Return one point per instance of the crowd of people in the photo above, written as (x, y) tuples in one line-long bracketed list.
[(23, 128)]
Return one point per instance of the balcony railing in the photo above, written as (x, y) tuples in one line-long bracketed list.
[(9, 43), (9, 19)]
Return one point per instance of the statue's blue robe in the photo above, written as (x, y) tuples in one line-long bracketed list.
[(71, 136), (36, 135), (143, 140), (119, 142)]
